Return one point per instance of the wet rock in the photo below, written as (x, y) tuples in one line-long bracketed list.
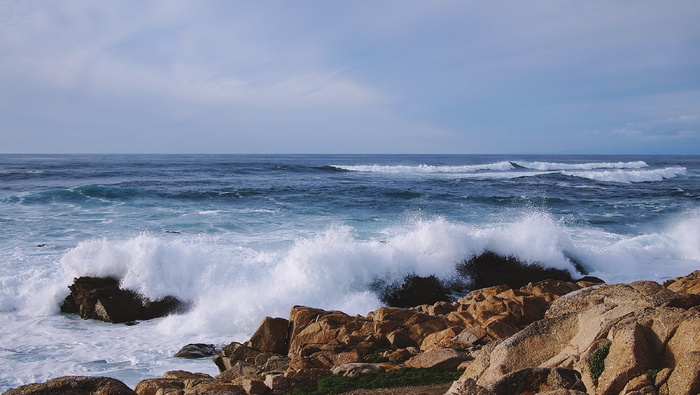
[(196, 350), (101, 298)]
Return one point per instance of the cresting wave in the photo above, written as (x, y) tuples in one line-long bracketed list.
[(427, 169), (618, 172), (232, 286)]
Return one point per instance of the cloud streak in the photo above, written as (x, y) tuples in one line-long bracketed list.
[(390, 76)]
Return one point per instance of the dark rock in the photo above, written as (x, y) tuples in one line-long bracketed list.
[(101, 298), (490, 269), (74, 385), (196, 350), (416, 290), (483, 271), (534, 380)]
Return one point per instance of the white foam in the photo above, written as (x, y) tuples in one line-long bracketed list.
[(581, 166), (629, 176), (233, 285), (426, 169)]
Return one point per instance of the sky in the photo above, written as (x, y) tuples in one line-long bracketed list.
[(355, 76)]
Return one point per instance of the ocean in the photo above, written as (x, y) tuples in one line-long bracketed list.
[(242, 237)]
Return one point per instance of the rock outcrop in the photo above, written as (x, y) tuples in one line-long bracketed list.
[(550, 337), (100, 298), (651, 334), (74, 385)]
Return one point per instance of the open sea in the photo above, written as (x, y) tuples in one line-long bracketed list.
[(242, 237)]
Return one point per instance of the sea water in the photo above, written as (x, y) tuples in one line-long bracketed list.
[(241, 237)]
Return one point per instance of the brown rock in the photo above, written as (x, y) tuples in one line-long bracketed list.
[(685, 378), (217, 388), (500, 328), (253, 386), (686, 284), (439, 339), (158, 386), (471, 336), (299, 318), (442, 359), (271, 336), (629, 356), (276, 382), (534, 380), (74, 385), (400, 339)]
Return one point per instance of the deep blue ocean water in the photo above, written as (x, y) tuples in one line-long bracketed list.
[(248, 236)]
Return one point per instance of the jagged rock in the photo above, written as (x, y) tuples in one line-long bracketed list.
[(535, 380), (647, 325), (276, 382), (445, 359), (196, 350), (416, 290), (239, 369), (271, 336), (101, 298), (253, 386), (490, 269), (156, 386), (686, 284), (74, 385)]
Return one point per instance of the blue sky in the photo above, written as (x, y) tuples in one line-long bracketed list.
[(403, 76)]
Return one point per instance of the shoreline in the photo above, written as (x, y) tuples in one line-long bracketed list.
[(481, 335)]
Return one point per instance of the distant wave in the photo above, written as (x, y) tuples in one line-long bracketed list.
[(427, 168), (581, 166), (629, 176)]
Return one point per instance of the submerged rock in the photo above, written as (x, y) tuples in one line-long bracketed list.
[(100, 298)]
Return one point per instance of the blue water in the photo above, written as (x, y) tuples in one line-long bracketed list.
[(245, 236)]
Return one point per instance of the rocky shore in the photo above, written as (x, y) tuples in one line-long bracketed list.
[(546, 337)]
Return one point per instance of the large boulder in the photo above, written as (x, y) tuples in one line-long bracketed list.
[(101, 298), (74, 385), (271, 336), (648, 327)]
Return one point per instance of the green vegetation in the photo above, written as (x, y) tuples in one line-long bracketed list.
[(598, 360), (335, 384), (376, 356), (652, 372)]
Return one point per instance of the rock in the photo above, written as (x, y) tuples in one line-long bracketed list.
[(271, 336), (686, 284), (441, 359), (101, 298), (490, 269), (416, 290), (158, 386), (357, 369), (685, 378), (236, 352), (276, 382), (196, 350), (470, 336), (629, 356), (239, 369), (467, 387), (74, 385), (534, 380), (253, 386)]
